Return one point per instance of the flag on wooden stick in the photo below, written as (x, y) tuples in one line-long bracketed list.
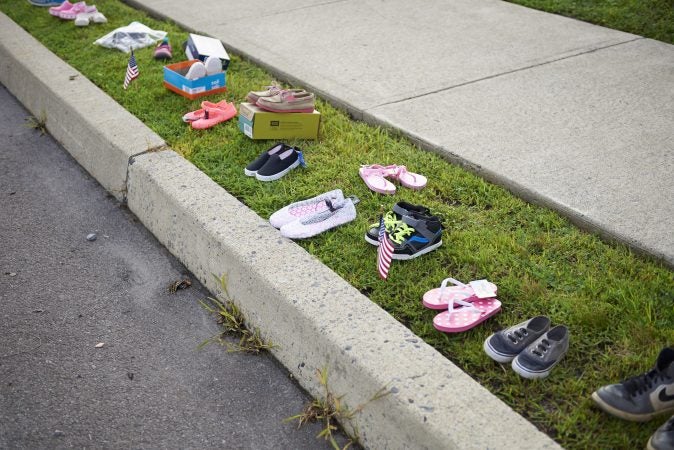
[(384, 251), (131, 71)]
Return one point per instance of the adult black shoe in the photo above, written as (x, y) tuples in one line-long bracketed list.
[(663, 438), (392, 219), (643, 397), (505, 345)]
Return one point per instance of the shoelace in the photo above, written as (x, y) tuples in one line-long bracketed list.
[(274, 89), (643, 383), (542, 348), (401, 232), (391, 222), (518, 335)]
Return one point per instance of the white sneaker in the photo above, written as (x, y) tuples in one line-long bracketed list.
[(197, 70), (304, 208), (338, 213), (84, 19), (213, 65)]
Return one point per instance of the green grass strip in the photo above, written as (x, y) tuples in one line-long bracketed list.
[(618, 306), (649, 18)]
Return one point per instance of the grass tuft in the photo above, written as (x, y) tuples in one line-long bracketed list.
[(331, 410), (233, 322), (38, 123)]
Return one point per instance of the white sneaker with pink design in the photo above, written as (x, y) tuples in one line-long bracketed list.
[(304, 208)]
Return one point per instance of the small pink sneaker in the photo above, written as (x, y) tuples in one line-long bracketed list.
[(56, 10), (201, 113), (214, 116), (77, 8)]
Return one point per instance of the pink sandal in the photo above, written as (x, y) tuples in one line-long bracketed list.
[(439, 298), (77, 8), (469, 315), (409, 179), (56, 10), (373, 176)]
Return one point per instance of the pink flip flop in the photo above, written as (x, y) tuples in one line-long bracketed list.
[(214, 116), (439, 298), (373, 176), (409, 179), (456, 320)]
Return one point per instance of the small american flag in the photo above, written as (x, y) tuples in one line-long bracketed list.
[(384, 251), (131, 71)]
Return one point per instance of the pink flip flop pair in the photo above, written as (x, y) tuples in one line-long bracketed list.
[(210, 114), (375, 177), (467, 305)]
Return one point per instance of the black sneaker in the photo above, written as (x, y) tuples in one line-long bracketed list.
[(663, 438), (252, 168), (392, 219), (540, 357), (279, 164), (416, 236), (642, 397), (505, 345)]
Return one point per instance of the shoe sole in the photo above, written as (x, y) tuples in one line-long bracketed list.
[(250, 173), (529, 374), (276, 176), (496, 356), (625, 415), (405, 257), (369, 240), (335, 224)]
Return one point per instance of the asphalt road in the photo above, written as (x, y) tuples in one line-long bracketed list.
[(60, 295)]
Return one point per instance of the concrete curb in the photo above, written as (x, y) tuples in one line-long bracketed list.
[(95, 129), (314, 317)]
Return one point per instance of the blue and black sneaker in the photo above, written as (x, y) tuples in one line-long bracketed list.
[(416, 236), (392, 219)]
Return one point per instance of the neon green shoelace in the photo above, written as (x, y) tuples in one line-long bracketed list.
[(401, 232), (391, 222)]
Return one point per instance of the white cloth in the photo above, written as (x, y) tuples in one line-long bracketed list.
[(133, 36)]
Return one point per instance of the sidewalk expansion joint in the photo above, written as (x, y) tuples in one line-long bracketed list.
[(533, 66), (285, 11)]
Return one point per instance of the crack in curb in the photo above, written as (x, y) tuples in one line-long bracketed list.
[(131, 160)]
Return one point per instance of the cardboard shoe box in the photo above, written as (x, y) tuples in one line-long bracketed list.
[(174, 80), (257, 123), (201, 47)]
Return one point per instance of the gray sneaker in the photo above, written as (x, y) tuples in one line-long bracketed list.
[(539, 358), (663, 438), (505, 345), (642, 397)]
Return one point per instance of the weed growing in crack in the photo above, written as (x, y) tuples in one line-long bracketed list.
[(233, 323), (330, 410), (38, 123)]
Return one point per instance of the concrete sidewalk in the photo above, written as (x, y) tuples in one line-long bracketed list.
[(60, 295), (566, 114)]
